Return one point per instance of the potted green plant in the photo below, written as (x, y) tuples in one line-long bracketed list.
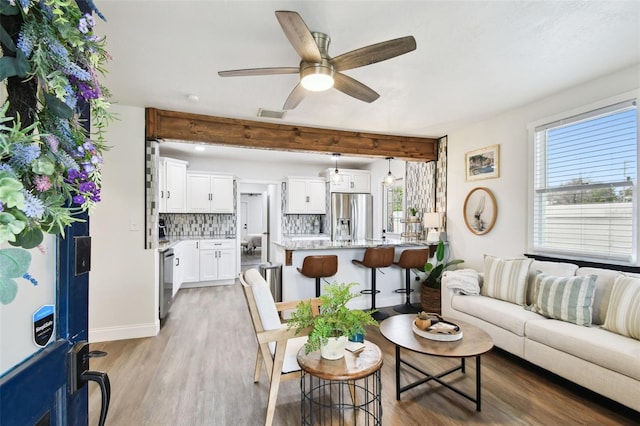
[(433, 269), (414, 212), (335, 322)]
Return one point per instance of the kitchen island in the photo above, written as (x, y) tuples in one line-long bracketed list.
[(296, 286)]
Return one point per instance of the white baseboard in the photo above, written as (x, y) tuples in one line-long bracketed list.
[(208, 283), (135, 331)]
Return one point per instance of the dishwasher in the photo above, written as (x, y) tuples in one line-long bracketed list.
[(167, 257)]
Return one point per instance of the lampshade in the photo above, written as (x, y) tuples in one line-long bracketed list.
[(317, 77), (432, 220)]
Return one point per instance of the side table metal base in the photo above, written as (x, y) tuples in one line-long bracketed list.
[(341, 402)]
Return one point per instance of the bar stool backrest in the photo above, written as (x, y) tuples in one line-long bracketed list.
[(378, 257), (414, 258), (319, 266)]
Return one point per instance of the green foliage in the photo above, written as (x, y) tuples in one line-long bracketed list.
[(14, 263), (434, 270), (334, 320), (50, 164)]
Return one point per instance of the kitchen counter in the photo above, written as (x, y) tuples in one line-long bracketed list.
[(319, 244), (172, 241)]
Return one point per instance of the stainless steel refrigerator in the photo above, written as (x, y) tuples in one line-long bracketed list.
[(351, 216)]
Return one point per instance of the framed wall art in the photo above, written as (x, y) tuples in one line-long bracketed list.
[(482, 163), (480, 210)]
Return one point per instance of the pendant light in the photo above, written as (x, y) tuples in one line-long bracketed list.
[(389, 179), (336, 177)]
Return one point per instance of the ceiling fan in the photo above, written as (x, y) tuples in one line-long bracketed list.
[(318, 71)]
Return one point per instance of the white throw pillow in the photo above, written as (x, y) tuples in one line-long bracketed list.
[(505, 279)]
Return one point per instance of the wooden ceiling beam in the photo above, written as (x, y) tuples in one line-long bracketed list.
[(162, 124)]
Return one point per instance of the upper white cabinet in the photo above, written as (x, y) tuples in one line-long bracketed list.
[(357, 181), (208, 193), (172, 176), (306, 196)]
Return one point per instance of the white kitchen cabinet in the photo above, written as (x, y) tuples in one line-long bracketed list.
[(306, 196), (355, 181), (208, 193), (217, 260), (172, 184), (177, 267), (190, 261)]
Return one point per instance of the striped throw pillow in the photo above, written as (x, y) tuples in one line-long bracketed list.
[(565, 298), (623, 313), (505, 279)]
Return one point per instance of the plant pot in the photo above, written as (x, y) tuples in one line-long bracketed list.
[(334, 348), (430, 299)]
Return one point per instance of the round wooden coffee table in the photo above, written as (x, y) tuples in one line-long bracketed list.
[(475, 342), (342, 391)]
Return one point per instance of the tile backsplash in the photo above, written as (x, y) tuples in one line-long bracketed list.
[(199, 224), (301, 223)]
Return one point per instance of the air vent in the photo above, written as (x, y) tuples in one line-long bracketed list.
[(270, 113)]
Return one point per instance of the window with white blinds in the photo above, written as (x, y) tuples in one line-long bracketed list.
[(585, 177)]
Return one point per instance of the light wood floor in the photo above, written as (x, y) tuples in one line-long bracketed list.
[(199, 371)]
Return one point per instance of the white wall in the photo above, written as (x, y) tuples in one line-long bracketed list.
[(509, 130), (122, 294)]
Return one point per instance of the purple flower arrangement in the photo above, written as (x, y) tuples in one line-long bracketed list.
[(50, 170)]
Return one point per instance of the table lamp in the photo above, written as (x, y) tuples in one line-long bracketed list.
[(434, 220)]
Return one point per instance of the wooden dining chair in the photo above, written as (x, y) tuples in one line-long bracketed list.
[(277, 346)]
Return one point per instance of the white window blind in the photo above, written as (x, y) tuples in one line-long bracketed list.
[(585, 192)]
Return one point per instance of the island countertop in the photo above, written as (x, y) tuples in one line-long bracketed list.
[(332, 245)]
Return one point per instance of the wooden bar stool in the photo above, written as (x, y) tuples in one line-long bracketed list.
[(376, 257), (319, 267), (410, 259)]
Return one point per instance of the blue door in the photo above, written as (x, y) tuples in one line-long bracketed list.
[(42, 390)]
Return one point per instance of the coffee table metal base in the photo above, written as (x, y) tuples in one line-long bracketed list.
[(438, 378)]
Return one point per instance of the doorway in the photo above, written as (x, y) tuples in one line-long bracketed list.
[(251, 229)]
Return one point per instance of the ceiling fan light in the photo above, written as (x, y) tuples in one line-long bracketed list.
[(317, 77)]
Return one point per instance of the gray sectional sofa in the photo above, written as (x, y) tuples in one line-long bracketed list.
[(598, 359)]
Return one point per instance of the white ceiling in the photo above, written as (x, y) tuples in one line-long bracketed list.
[(473, 59)]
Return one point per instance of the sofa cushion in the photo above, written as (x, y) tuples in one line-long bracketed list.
[(604, 283), (564, 298), (623, 314), (505, 279), (559, 269), (593, 344), (506, 315)]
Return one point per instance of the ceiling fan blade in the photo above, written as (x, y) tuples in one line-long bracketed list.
[(299, 35), (354, 88), (259, 71), (374, 53), (295, 97)]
